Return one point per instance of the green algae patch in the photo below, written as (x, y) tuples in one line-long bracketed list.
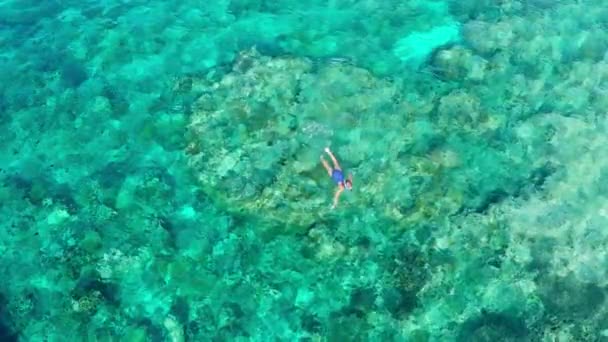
[(135, 334), (91, 242)]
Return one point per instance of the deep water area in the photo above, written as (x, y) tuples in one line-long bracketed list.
[(160, 173)]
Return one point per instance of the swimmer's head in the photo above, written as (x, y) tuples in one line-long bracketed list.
[(348, 184)]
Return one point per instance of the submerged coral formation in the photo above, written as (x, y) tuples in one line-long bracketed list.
[(256, 135), (160, 175)]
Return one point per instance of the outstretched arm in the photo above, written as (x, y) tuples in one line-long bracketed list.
[(337, 197), (333, 159), (326, 166)]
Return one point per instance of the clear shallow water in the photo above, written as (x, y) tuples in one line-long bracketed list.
[(161, 179)]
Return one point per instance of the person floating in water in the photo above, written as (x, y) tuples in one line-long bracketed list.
[(337, 176)]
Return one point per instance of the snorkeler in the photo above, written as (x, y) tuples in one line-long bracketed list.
[(337, 175)]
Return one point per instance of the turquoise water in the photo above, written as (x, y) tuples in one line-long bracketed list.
[(160, 176)]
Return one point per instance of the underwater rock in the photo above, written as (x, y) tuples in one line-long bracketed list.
[(87, 304), (450, 63), (460, 104), (174, 330), (7, 332), (486, 38), (491, 326), (556, 294)]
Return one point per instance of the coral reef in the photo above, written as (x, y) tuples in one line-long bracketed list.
[(254, 149), (160, 175)]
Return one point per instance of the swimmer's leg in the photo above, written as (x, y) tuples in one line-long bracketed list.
[(326, 166), (333, 159)]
